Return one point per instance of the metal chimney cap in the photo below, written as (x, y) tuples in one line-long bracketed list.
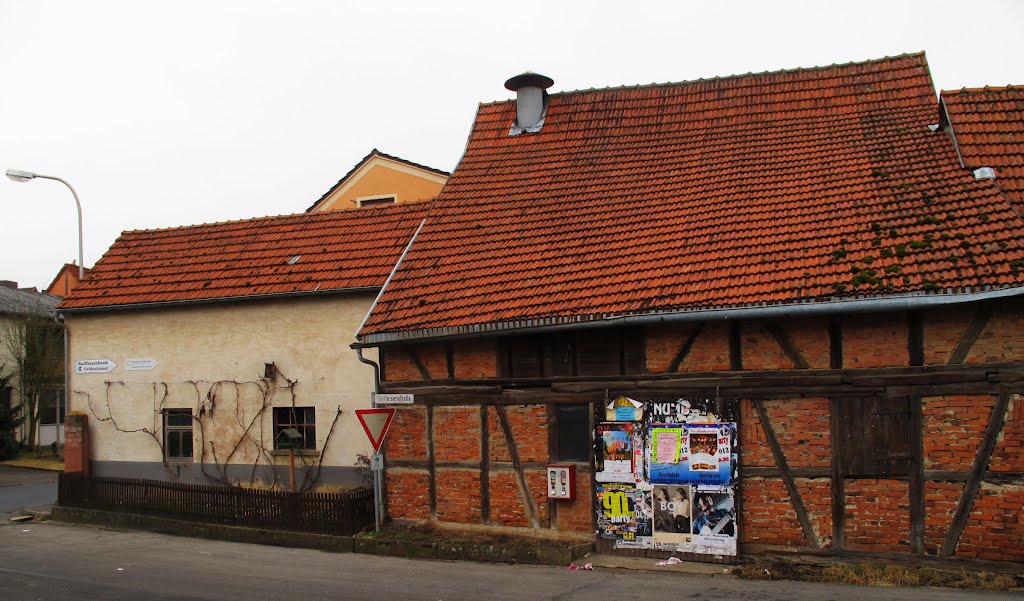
[(527, 80)]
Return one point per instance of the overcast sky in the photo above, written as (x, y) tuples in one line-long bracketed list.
[(163, 114)]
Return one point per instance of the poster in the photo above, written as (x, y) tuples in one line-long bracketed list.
[(616, 511), (615, 452), (705, 455), (666, 477), (624, 409), (672, 523), (714, 520)]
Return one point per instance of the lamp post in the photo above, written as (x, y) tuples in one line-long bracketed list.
[(24, 176)]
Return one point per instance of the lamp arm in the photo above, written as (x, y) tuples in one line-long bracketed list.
[(78, 204)]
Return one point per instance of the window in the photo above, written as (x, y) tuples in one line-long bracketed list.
[(875, 436), (574, 433), (302, 419), (376, 201), (178, 434), (51, 407)]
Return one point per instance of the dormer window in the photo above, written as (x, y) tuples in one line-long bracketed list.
[(376, 201)]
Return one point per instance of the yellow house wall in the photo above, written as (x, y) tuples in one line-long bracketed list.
[(210, 359), (381, 179)]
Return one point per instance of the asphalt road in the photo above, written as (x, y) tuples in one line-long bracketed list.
[(51, 561), (21, 488)]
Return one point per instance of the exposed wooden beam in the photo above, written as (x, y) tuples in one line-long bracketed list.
[(431, 469), (786, 344), (977, 473), (838, 485), (415, 358), (735, 346), (485, 465), (513, 451), (916, 485), (787, 476), (980, 319), (685, 349)]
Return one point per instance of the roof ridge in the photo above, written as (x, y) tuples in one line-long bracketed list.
[(919, 53), (984, 89), (315, 216)]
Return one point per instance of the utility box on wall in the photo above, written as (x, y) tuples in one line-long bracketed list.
[(562, 482)]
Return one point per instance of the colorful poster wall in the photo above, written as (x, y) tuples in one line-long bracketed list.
[(667, 474)]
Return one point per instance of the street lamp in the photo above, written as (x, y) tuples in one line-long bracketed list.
[(23, 176)]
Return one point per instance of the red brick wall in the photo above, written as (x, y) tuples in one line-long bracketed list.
[(769, 517), (1001, 339), (407, 435), (877, 515), (408, 494), (475, 359), (940, 501), (507, 508), (457, 434), (943, 329), (761, 350), (995, 529), (952, 428), (876, 340), (398, 365), (1009, 453), (575, 516), (663, 343), (710, 352), (801, 427), (458, 495), (811, 338)]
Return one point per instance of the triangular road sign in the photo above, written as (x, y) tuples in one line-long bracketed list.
[(376, 422)]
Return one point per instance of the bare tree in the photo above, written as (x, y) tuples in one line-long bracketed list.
[(34, 344)]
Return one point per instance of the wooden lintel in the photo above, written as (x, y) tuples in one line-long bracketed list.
[(796, 472), (593, 386)]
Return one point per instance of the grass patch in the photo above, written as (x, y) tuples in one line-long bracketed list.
[(876, 574)]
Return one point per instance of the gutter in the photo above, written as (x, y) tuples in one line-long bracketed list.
[(215, 300), (804, 309)]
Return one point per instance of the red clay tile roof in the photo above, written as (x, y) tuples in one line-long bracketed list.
[(772, 188), (988, 124), (336, 250)]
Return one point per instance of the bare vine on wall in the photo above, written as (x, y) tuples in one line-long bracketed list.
[(210, 406)]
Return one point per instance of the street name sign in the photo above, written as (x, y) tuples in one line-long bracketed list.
[(393, 399), (94, 366)]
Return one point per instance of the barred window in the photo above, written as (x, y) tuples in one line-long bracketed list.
[(301, 419), (178, 434)]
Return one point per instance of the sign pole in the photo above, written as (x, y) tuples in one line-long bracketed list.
[(375, 423), (378, 510)]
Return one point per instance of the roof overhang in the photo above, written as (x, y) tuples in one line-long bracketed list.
[(808, 308), (217, 300)]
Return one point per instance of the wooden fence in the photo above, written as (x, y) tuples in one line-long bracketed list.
[(343, 513)]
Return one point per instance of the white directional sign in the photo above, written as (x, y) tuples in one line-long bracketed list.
[(393, 399), (377, 462), (142, 364), (94, 366)]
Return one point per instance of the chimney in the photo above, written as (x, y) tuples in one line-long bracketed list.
[(531, 101)]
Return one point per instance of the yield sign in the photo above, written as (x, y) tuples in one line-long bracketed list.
[(375, 422)]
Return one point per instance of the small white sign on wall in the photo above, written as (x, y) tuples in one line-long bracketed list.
[(143, 364), (94, 366)]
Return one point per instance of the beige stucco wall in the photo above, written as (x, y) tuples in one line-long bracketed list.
[(380, 177), (210, 359)]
